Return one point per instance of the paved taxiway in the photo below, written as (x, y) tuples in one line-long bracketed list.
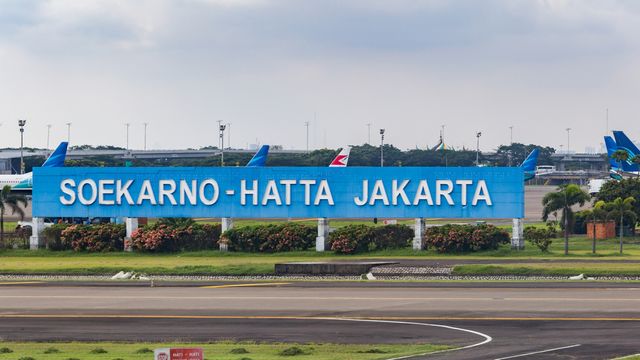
[(578, 320)]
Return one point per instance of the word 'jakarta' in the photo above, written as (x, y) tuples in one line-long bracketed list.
[(278, 192)]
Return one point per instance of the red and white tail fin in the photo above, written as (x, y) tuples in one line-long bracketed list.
[(342, 159)]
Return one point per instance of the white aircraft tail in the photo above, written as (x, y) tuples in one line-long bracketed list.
[(342, 159)]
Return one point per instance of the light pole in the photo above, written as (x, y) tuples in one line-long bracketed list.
[(48, 133), (229, 135), (381, 147), (511, 135), (568, 139), (145, 135), (68, 133), (127, 126), (478, 134), (306, 124), (222, 127), (368, 133), (21, 124)]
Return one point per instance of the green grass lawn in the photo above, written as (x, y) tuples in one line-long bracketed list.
[(218, 351), (216, 262)]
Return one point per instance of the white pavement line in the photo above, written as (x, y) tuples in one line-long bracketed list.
[(486, 337), (539, 352)]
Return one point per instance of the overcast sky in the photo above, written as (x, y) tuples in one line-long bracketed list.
[(268, 66)]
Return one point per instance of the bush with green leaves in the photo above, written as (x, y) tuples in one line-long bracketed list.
[(93, 238), (454, 238), (392, 236), (541, 237), (166, 236), (53, 236), (351, 239), (270, 238)]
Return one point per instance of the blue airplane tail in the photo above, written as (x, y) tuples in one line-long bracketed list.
[(529, 164), (624, 143), (56, 159), (260, 158)]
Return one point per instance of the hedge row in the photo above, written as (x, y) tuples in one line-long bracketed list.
[(270, 238), (464, 238), (162, 237), (353, 239), (91, 238)]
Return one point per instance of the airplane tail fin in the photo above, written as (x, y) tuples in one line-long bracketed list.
[(342, 159), (624, 143), (611, 148), (529, 164), (56, 159), (260, 158)]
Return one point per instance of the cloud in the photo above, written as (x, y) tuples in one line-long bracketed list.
[(267, 66)]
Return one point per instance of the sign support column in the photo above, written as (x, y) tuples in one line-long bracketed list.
[(323, 234), (225, 224), (131, 226), (418, 233), (36, 240), (517, 235)]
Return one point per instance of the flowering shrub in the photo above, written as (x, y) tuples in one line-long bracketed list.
[(270, 238), (351, 239), (93, 238), (464, 238), (392, 236), (163, 237)]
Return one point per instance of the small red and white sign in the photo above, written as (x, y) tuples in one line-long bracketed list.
[(178, 354)]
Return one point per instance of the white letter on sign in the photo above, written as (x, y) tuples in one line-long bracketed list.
[(244, 192), (203, 187), (94, 192), (482, 193), (66, 187)]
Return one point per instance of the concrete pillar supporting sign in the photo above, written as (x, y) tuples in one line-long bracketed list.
[(418, 233), (131, 225), (517, 236), (226, 224), (36, 240), (322, 240)]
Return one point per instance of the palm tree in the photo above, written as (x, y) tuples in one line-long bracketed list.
[(620, 156), (624, 209), (597, 213), (564, 199), (12, 202)]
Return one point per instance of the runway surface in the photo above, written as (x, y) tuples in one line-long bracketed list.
[(502, 320)]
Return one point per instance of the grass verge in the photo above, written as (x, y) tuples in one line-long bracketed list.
[(550, 269), (218, 351)]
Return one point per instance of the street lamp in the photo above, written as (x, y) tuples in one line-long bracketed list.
[(127, 126), (68, 133), (48, 133), (306, 124), (568, 139), (478, 134), (381, 147), (21, 124), (222, 127), (229, 135), (145, 135)]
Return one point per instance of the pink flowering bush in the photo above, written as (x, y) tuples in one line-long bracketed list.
[(464, 238), (93, 238), (163, 237)]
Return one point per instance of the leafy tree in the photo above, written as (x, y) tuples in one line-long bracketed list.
[(564, 199), (516, 153), (628, 187), (622, 208), (10, 201)]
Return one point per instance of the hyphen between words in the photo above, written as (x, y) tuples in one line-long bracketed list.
[(278, 192)]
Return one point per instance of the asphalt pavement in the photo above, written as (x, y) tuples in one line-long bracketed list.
[(494, 320)]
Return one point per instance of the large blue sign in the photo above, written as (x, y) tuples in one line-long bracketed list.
[(280, 192)]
